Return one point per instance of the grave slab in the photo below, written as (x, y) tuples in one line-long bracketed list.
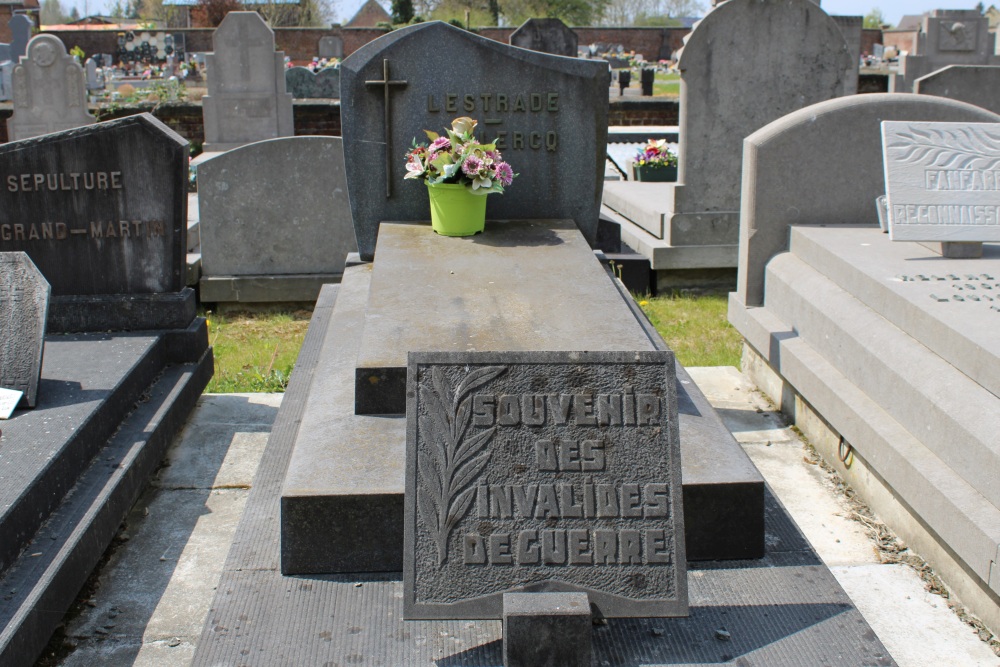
[(975, 84), (24, 305)]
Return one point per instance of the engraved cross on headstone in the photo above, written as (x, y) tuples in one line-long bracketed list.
[(386, 83), (243, 41)]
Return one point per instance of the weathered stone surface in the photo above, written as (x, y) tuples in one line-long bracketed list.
[(49, 91), (548, 114), (850, 27), (6, 80), (24, 303), (975, 84), (101, 210), (246, 99), (542, 472), (546, 629), (20, 33), (277, 207), (946, 37), (303, 83), (941, 181), (331, 46), (547, 36), (785, 185)]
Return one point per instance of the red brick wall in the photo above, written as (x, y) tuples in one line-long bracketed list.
[(869, 38)]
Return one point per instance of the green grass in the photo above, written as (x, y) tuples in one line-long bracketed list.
[(695, 328), (254, 352), (667, 85)]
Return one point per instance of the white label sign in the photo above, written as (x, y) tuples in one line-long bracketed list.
[(9, 399), (942, 181)]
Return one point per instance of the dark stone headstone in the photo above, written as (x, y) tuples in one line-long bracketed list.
[(24, 302), (20, 35), (331, 46), (102, 212), (548, 115), (303, 84), (542, 472), (546, 35)]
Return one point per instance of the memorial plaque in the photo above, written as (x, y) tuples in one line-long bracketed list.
[(547, 114), (542, 472), (942, 181), (24, 302), (100, 209)]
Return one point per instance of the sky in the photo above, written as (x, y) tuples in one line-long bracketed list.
[(892, 10)]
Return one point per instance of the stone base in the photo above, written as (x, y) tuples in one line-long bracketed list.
[(663, 256), (108, 407), (121, 312), (546, 629), (264, 289)]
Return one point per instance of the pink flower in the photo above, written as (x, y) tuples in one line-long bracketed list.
[(503, 173), (440, 144), (472, 165)]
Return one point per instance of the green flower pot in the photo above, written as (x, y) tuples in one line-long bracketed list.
[(655, 173), (455, 211)]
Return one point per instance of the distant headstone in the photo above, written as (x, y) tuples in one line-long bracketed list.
[(6, 80), (102, 212), (291, 192), (851, 27), (20, 34), (246, 99), (48, 91), (331, 46), (302, 83), (946, 37), (975, 84), (546, 35), (514, 482), (547, 114), (95, 79), (24, 302), (4, 52), (942, 182)]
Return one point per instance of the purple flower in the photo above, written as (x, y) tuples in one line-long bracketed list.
[(504, 173), (440, 144), (472, 165)]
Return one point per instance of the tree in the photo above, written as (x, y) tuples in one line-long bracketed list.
[(402, 11), (874, 19), (52, 13), (74, 14)]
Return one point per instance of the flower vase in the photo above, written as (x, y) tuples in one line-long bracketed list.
[(656, 173), (455, 211)]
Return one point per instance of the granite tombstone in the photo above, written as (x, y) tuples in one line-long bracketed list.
[(542, 472), (276, 213), (20, 34), (547, 114), (49, 91), (246, 98), (101, 210), (942, 181), (24, 302), (546, 35), (975, 84), (303, 83)]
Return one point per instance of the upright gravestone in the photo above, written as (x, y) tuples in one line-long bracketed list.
[(747, 63), (331, 46), (24, 302), (49, 91), (20, 33), (548, 116), (546, 35), (512, 487), (6, 80), (291, 192), (101, 211), (946, 37), (95, 79), (303, 83), (246, 98), (975, 84)]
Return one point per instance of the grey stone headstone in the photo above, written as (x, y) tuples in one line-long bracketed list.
[(946, 37), (542, 472), (275, 207), (48, 90), (548, 115), (24, 303), (303, 83), (331, 46), (246, 98), (101, 210), (20, 35), (94, 80), (975, 84), (724, 100), (4, 52), (6, 80), (941, 181), (546, 35)]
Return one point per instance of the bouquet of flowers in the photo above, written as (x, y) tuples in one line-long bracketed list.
[(459, 158), (656, 154)]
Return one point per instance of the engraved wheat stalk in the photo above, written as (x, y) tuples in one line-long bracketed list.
[(977, 145), (454, 458)]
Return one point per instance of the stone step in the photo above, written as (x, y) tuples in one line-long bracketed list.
[(955, 417), (44, 580), (935, 495)]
